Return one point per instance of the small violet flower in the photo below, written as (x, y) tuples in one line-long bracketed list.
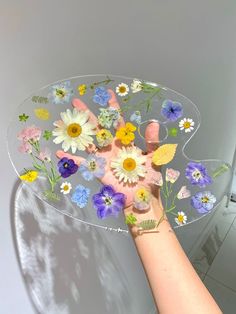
[(67, 167), (203, 202), (92, 167), (102, 96), (107, 202), (183, 193), (172, 175), (171, 110), (197, 174), (80, 196)]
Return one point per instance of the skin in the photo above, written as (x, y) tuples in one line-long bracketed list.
[(175, 285)]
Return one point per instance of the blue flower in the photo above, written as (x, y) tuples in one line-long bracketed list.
[(136, 117), (197, 174), (203, 202), (102, 96), (60, 93), (171, 110), (93, 166), (80, 196), (107, 202), (67, 167)]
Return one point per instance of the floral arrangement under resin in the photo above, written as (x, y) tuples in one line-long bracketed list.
[(91, 129)]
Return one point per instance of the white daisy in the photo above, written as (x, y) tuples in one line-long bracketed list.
[(136, 86), (181, 219), (66, 187), (186, 124), (122, 89), (74, 130), (128, 166)]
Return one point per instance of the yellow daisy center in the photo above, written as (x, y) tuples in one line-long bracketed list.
[(122, 89), (205, 199), (187, 125), (66, 187), (180, 218), (60, 93), (129, 164), (74, 130)]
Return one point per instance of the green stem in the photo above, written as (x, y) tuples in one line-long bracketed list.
[(107, 81)]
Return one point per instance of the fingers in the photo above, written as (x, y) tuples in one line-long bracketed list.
[(80, 105), (61, 154), (113, 102), (152, 136)]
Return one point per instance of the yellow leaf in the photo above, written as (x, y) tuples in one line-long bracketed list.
[(164, 154), (42, 113)]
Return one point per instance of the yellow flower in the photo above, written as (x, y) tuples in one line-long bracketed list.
[(126, 134), (104, 137), (29, 176), (82, 89), (42, 113)]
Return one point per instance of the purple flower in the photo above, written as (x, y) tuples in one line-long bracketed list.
[(107, 202), (67, 167), (101, 96), (203, 202), (171, 110), (80, 196), (197, 174), (93, 166)]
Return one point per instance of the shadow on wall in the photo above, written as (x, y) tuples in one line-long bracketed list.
[(69, 267)]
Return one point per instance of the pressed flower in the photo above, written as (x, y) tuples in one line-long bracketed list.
[(80, 196), (102, 96), (108, 202), (42, 113), (173, 132), (171, 110), (47, 135), (108, 117), (122, 89), (29, 176), (60, 93), (23, 117), (136, 86), (25, 147), (157, 178), (126, 134), (181, 219), (136, 117), (66, 187), (67, 167), (203, 202), (82, 89), (130, 219), (128, 165), (186, 124), (183, 193), (30, 134), (45, 155), (172, 175), (104, 137), (197, 174), (74, 130), (142, 198), (92, 167)]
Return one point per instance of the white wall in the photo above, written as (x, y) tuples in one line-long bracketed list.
[(186, 45)]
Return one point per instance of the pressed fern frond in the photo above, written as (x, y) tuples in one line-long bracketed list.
[(147, 224)]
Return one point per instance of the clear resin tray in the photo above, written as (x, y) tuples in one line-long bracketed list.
[(102, 142)]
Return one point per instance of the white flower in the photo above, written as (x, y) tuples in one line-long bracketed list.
[(122, 89), (186, 124), (136, 86), (66, 187), (74, 130), (128, 166), (181, 219)]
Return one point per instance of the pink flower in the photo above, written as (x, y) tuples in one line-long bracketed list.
[(30, 133), (172, 175), (183, 193), (157, 178), (25, 148), (45, 155)]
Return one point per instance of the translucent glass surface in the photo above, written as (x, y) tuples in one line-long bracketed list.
[(42, 126)]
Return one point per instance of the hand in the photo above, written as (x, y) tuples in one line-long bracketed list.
[(110, 152)]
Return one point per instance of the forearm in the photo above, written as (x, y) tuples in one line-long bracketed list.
[(175, 285)]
